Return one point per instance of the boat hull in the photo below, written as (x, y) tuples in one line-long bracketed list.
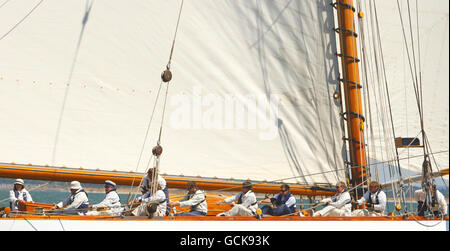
[(212, 223)]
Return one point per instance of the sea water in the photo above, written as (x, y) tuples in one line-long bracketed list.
[(53, 197)]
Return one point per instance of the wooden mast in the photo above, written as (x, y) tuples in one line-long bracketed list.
[(352, 90)]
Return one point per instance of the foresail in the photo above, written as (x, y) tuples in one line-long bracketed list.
[(428, 24), (251, 94)]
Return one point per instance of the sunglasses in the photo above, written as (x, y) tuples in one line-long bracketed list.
[(283, 191)]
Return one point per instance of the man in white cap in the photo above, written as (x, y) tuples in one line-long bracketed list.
[(77, 202), (18, 195), (111, 201)]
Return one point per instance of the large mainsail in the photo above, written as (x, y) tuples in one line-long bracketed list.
[(390, 36), (251, 96)]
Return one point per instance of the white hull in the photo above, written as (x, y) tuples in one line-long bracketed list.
[(149, 225)]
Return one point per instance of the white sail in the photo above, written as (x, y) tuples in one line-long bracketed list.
[(230, 59), (430, 33)]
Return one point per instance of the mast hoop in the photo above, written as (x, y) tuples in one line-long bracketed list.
[(357, 60), (353, 113), (339, 29), (351, 82), (348, 6), (354, 141), (352, 164)]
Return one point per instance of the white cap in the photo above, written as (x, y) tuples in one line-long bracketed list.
[(20, 182), (108, 182), (75, 185)]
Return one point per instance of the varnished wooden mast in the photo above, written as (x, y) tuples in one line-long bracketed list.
[(352, 90)]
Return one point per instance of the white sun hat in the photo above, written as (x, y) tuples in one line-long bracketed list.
[(75, 185), (20, 182)]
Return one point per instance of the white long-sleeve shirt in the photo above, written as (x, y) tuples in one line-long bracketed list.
[(340, 201), (21, 195), (111, 200), (248, 200), (419, 195), (197, 201), (381, 207), (78, 199), (158, 197)]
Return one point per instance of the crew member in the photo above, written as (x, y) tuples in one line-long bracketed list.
[(283, 203), (18, 195), (375, 200), (195, 199), (77, 202), (438, 203), (151, 204), (338, 205), (246, 202), (111, 201)]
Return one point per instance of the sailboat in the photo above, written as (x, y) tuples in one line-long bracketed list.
[(306, 93)]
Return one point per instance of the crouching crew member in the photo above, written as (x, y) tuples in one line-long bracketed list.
[(152, 204), (375, 200), (195, 199), (283, 203), (246, 202), (148, 179)]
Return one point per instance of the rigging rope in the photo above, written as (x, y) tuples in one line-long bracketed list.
[(427, 167), (23, 19), (3, 4), (388, 137), (175, 36), (145, 139), (166, 77)]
